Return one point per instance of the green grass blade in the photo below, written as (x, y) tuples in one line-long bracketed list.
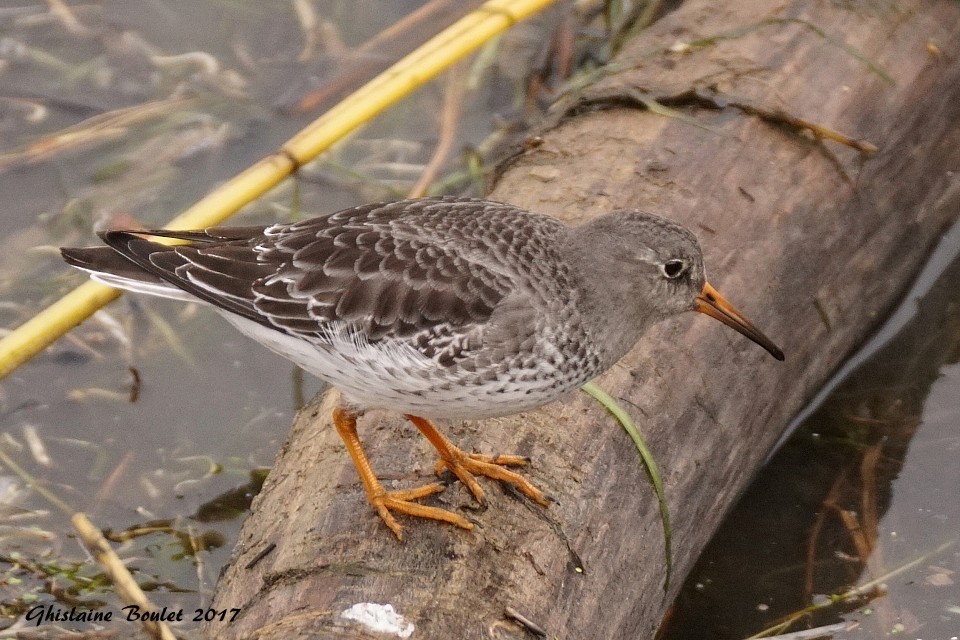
[(650, 466)]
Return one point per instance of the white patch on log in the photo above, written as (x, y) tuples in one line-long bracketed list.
[(379, 617)]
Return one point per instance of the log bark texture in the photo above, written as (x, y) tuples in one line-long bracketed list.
[(810, 238)]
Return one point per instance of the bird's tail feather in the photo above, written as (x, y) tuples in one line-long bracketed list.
[(110, 268)]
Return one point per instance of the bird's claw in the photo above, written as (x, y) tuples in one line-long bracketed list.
[(402, 501), (468, 465)]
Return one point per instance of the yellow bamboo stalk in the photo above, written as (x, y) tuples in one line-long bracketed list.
[(461, 38)]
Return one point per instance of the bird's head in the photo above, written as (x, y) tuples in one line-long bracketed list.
[(662, 270)]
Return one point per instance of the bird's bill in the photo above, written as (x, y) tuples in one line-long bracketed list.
[(716, 306)]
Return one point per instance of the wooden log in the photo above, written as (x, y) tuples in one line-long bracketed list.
[(813, 240)]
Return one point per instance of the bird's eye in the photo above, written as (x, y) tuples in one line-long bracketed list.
[(674, 268)]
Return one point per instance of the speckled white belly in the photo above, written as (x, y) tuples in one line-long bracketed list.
[(401, 379)]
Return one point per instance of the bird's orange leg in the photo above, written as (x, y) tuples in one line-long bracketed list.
[(466, 465), (386, 501)]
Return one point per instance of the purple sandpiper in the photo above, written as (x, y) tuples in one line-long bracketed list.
[(434, 308)]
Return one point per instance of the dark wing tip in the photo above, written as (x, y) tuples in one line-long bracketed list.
[(104, 260), (95, 259), (197, 236), (134, 247), (81, 257)]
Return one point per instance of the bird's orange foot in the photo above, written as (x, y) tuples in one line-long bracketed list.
[(402, 502), (468, 465), (345, 420)]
